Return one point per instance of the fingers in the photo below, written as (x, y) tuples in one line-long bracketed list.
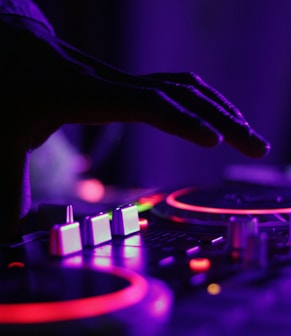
[(193, 94), (235, 131), (181, 110), (161, 111), (178, 103), (192, 79)]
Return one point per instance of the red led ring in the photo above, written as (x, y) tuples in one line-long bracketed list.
[(56, 311), (171, 200)]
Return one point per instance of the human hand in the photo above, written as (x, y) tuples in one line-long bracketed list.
[(205, 116), (181, 104)]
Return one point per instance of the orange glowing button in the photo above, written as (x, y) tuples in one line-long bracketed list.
[(199, 264), (213, 289)]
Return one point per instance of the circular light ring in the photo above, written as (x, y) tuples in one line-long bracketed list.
[(171, 200), (93, 306)]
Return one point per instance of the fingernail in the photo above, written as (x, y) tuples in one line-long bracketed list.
[(261, 147), (210, 137)]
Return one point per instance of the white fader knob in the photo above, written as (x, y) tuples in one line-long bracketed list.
[(96, 230), (65, 238), (125, 220)]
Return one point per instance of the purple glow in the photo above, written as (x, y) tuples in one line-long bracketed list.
[(161, 306)]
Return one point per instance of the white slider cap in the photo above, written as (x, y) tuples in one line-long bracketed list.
[(65, 239), (96, 230), (125, 220)]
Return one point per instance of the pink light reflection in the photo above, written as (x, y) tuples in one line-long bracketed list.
[(90, 190), (161, 306), (133, 257)]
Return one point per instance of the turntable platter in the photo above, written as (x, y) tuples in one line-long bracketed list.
[(214, 205)]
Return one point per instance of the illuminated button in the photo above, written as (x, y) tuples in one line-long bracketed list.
[(217, 240), (199, 264), (166, 261), (125, 220), (65, 239), (49, 214), (213, 289), (192, 250), (15, 264), (96, 230), (143, 223), (198, 279)]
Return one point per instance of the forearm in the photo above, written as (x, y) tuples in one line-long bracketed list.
[(15, 195)]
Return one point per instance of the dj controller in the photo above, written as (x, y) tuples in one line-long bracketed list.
[(199, 260)]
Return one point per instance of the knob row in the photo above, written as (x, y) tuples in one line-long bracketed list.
[(71, 236)]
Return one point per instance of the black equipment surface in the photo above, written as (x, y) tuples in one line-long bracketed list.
[(223, 268)]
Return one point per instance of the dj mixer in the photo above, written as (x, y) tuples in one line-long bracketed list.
[(199, 260)]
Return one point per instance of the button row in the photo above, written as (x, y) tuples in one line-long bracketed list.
[(71, 236)]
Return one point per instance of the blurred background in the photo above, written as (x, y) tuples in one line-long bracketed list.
[(242, 48)]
